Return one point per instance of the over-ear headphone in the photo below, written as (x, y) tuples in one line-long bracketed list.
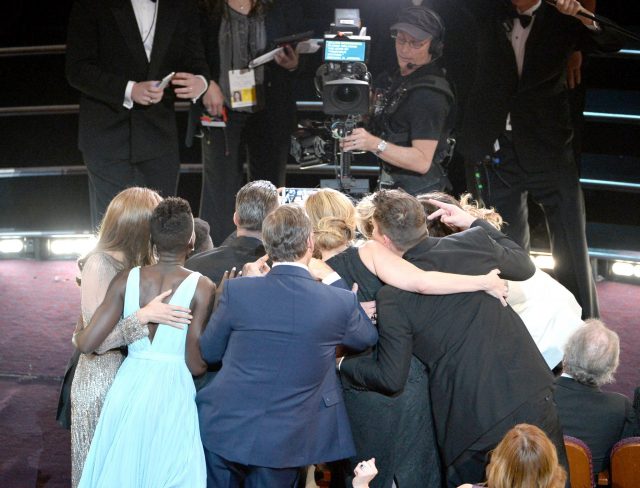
[(437, 41)]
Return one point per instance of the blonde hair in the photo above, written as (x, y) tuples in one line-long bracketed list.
[(125, 226), (333, 217), (525, 458), (364, 216), (489, 214)]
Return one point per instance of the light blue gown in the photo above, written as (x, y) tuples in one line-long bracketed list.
[(148, 433)]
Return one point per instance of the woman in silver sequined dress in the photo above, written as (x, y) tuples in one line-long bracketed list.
[(123, 242)]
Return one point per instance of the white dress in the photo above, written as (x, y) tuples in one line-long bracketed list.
[(550, 312)]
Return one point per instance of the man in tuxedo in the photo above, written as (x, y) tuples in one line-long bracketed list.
[(117, 51), (598, 418), (254, 202), (517, 132), (276, 404), (485, 372)]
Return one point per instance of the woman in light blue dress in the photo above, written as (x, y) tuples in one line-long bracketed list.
[(148, 434)]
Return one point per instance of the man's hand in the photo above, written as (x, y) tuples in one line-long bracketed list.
[(496, 286), (187, 85), (365, 471), (213, 99), (451, 215), (360, 140), (158, 312), (228, 275), (572, 7), (257, 268), (146, 93), (288, 58), (371, 310), (574, 67)]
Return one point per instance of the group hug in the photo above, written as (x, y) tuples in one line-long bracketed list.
[(400, 336)]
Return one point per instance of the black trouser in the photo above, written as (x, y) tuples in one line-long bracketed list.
[(540, 411), (398, 431), (108, 177), (223, 156), (559, 194)]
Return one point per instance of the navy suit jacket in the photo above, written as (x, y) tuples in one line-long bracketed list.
[(276, 401)]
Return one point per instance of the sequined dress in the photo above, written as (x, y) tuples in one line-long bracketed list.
[(95, 372)]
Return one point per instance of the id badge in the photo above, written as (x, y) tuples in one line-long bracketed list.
[(242, 86)]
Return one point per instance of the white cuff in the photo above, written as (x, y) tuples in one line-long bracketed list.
[(340, 363), (331, 278), (206, 86), (128, 102)]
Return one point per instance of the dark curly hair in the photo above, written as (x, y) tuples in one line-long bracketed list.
[(171, 225)]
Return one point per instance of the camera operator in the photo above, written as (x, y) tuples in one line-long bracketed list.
[(409, 131)]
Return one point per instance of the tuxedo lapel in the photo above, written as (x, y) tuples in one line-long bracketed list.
[(503, 26), (126, 20), (165, 25)]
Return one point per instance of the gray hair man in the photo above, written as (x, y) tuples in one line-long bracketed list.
[(598, 418), (254, 202)]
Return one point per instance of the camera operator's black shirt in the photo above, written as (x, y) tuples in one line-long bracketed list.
[(423, 113)]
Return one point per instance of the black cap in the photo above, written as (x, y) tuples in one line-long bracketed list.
[(419, 22)]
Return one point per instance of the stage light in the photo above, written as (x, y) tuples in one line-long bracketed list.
[(543, 261), (621, 268), (11, 246), (71, 245)]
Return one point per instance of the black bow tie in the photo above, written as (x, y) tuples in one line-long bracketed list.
[(524, 19)]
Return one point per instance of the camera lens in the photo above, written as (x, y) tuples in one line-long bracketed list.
[(347, 94)]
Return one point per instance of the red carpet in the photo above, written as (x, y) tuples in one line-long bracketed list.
[(40, 303)]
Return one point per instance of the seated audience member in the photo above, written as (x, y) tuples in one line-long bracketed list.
[(203, 237), (598, 418), (550, 311), (525, 458), (254, 202)]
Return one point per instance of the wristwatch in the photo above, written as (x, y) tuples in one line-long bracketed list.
[(382, 145)]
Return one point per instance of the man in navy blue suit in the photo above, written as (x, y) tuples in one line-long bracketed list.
[(276, 404)]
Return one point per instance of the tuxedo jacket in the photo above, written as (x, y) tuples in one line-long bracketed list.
[(276, 401), (234, 252), (482, 362), (105, 51), (598, 418), (538, 100)]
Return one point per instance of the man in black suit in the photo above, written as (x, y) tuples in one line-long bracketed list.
[(485, 372), (254, 202), (598, 418), (117, 51), (517, 131)]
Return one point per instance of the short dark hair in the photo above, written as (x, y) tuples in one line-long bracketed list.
[(171, 224), (286, 232), (254, 202), (400, 217)]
